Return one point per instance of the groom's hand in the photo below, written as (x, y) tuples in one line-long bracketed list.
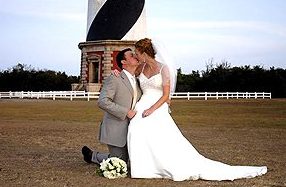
[(131, 114)]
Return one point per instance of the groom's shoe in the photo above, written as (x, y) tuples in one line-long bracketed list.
[(87, 154)]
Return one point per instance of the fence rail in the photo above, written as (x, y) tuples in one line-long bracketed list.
[(94, 95), (219, 95)]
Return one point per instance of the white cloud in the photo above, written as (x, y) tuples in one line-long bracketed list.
[(194, 42), (189, 26), (45, 10), (220, 34), (74, 17)]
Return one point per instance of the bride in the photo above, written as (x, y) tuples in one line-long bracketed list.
[(156, 147)]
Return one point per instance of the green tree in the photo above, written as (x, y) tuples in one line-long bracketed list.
[(25, 78)]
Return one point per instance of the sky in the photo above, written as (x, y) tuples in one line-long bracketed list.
[(45, 34)]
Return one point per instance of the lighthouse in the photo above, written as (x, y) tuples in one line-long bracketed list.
[(111, 27)]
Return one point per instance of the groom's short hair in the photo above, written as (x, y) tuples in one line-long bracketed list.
[(121, 56)]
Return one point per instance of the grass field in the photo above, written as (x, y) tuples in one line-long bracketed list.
[(41, 140)]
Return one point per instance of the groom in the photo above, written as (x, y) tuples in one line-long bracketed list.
[(117, 98)]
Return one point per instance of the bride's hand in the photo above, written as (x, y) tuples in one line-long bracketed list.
[(115, 72), (147, 112)]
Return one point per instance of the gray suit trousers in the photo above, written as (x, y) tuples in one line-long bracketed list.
[(119, 152)]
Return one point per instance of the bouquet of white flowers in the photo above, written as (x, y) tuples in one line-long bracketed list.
[(113, 168)]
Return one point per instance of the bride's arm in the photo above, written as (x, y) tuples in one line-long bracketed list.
[(166, 93)]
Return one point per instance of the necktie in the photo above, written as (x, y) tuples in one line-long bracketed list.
[(134, 92)]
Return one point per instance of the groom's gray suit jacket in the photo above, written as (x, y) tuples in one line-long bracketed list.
[(116, 99)]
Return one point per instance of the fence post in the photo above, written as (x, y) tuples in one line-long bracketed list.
[(54, 96), (206, 96), (255, 95), (87, 96), (188, 95), (270, 95), (226, 95), (71, 93), (10, 94)]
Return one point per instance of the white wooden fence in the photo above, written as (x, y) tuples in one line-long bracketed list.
[(94, 95), (51, 95), (218, 95)]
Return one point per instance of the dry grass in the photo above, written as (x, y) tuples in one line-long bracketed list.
[(41, 140)]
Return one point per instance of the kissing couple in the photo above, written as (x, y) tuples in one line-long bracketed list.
[(138, 128)]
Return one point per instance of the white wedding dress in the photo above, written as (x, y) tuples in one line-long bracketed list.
[(157, 148)]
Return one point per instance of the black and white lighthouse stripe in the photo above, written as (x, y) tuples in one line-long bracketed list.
[(114, 19)]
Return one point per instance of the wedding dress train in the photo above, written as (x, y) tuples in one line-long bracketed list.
[(157, 148)]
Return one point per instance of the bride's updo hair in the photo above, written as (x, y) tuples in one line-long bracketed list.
[(145, 45)]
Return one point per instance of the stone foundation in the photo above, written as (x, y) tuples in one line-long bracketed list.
[(98, 59)]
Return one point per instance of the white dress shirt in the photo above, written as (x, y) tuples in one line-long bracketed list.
[(132, 80)]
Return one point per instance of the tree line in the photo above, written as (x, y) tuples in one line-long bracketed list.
[(224, 78), (216, 78), (25, 78)]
